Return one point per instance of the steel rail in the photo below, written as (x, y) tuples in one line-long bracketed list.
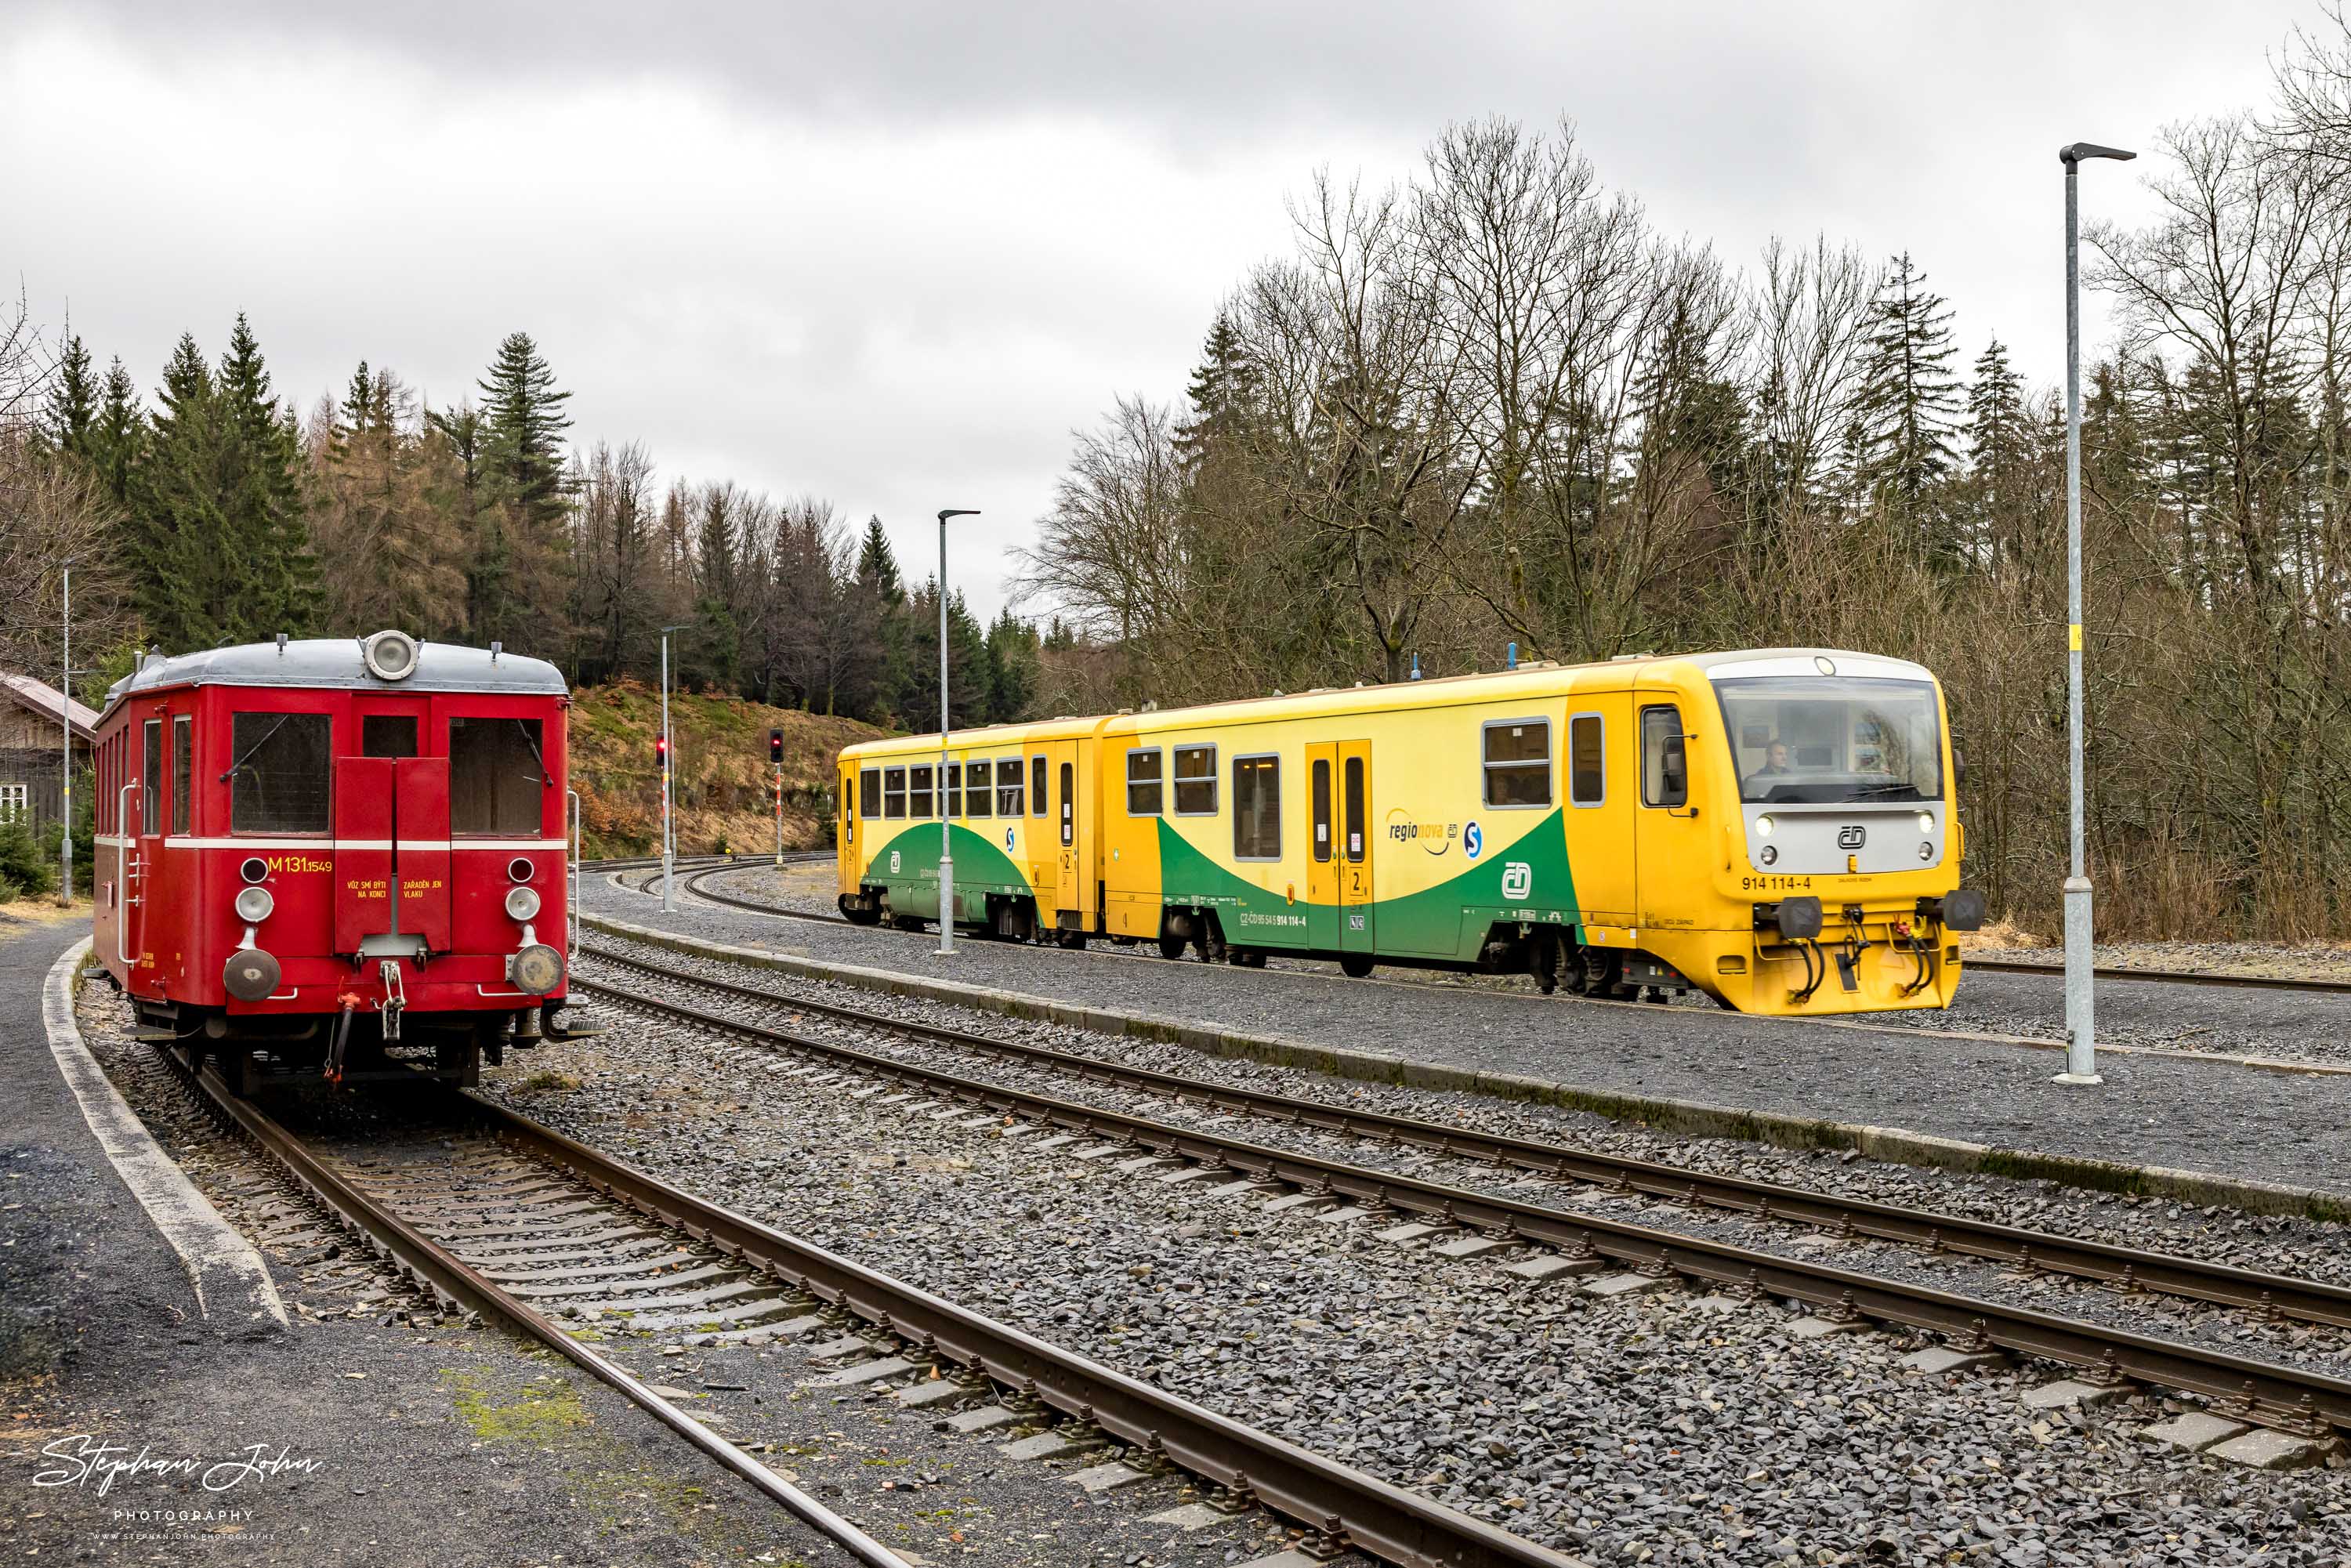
[(439, 1270), (2126, 1267), (1346, 1505), (1343, 1503), (2168, 977), (1990, 965), (2289, 1398)]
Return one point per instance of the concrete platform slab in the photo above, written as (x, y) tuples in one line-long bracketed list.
[(1941, 1358), (1051, 1444), (984, 1418), (1822, 1328), (2195, 1431), (2264, 1449), (2065, 1391), (1099, 1478)]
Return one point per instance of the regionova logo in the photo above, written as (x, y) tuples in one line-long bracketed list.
[(1435, 839)]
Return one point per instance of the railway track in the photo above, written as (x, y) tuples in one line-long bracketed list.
[(695, 884), (500, 1217), (2296, 1400)]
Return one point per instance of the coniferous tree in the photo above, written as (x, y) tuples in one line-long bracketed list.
[(1909, 398), (73, 411), (277, 586), (516, 587), (118, 436), (1998, 448), (1222, 393)]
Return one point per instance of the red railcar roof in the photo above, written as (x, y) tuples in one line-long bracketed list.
[(335, 662)]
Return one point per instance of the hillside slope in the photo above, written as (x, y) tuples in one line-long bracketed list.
[(719, 768)]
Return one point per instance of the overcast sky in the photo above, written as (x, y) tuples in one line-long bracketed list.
[(892, 252)]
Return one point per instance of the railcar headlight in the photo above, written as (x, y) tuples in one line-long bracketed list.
[(519, 869), (537, 970), (1764, 826), (1769, 854), (1925, 852), (522, 902), (254, 869), (254, 904), (1925, 822), (390, 656)]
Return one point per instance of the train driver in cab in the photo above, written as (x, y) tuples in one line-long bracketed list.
[(1775, 760)]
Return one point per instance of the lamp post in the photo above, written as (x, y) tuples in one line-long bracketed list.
[(669, 852), (2081, 1035), (946, 848), (65, 754)]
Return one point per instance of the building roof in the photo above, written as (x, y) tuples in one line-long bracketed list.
[(44, 699), (335, 662)]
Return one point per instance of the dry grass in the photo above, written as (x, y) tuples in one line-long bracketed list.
[(43, 910), (2001, 935)]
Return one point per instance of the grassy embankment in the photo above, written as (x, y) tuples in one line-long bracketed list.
[(720, 772)]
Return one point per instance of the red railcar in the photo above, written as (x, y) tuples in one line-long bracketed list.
[(337, 854)]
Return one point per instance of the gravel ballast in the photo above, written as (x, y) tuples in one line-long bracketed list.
[(2171, 1112), (1646, 1429)]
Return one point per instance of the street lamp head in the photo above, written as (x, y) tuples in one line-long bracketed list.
[(2078, 151), (958, 512)]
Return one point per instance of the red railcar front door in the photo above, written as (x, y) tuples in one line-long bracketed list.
[(420, 859), (363, 840)]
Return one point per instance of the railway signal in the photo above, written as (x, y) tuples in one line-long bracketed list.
[(661, 754), (776, 758)]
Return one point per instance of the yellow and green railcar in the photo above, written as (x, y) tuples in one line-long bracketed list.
[(1774, 827)]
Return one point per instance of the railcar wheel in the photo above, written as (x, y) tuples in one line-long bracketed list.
[(1074, 940), (1171, 945), (1355, 966), (1249, 957)]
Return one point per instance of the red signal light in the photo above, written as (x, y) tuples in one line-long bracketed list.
[(661, 753)]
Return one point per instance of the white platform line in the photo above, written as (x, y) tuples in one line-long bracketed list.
[(222, 1265)]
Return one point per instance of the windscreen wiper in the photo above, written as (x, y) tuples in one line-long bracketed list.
[(238, 765)]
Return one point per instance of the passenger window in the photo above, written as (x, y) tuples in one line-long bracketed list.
[(150, 781), (918, 792), (1196, 780), (894, 791), (1257, 807), (953, 780), (1518, 762), (183, 767), (1587, 773), (1664, 766), (1355, 809), (868, 793), (1036, 786), (1321, 790), (1068, 807), (1143, 796), (1008, 788), (387, 735), (279, 773), (979, 799), (497, 776)]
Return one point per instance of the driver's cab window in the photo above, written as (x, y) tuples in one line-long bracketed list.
[(1665, 765)]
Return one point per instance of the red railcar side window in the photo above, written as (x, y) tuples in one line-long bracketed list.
[(183, 768), (497, 774), (150, 781), (279, 775)]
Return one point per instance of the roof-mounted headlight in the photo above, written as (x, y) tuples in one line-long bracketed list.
[(390, 656)]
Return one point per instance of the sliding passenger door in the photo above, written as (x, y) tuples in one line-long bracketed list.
[(1354, 858), (1068, 831)]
